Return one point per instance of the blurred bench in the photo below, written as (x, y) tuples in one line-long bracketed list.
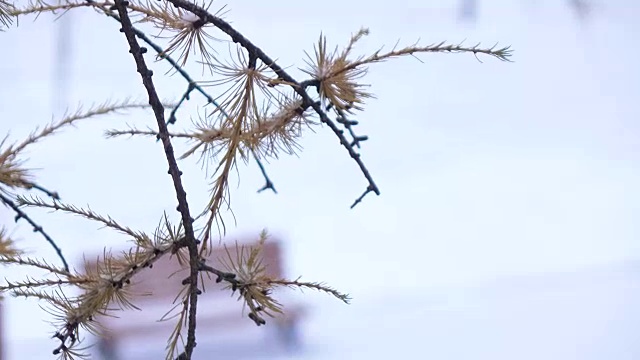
[(219, 312)]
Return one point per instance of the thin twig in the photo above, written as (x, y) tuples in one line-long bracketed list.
[(268, 184), (183, 206), (185, 96), (36, 228), (52, 194), (359, 199), (348, 124), (222, 275)]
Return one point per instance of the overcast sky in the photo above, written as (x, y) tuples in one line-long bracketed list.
[(485, 169)]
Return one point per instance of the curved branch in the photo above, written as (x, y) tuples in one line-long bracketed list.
[(36, 228)]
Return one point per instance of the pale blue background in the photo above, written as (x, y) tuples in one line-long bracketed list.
[(507, 225)]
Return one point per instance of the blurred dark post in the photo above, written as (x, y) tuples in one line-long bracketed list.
[(62, 64), (468, 10), (581, 8)]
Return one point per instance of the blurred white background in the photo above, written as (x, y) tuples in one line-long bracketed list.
[(506, 227)]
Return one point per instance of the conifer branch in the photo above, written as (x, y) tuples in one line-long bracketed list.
[(108, 221), (17, 259), (311, 285), (30, 284), (43, 7), (80, 114), (246, 273), (253, 50)]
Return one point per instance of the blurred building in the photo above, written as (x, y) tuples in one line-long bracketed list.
[(224, 328)]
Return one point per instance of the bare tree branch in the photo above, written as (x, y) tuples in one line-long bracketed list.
[(36, 228), (183, 207)]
